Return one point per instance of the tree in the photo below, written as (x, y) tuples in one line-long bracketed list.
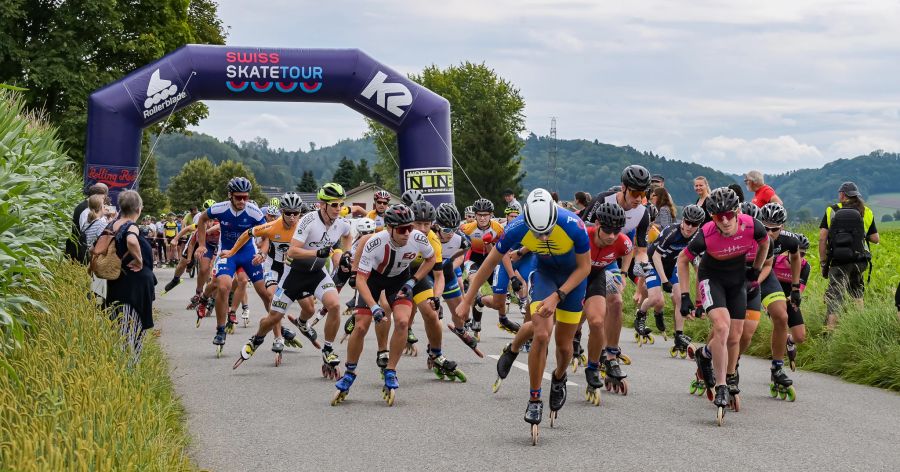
[(345, 173), (886, 218), (194, 184), (486, 121), (363, 174), (307, 183), (63, 51), (897, 215), (229, 169)]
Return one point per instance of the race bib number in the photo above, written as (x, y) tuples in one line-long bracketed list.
[(706, 299)]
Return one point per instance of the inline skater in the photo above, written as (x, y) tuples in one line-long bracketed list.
[(235, 216), (724, 243), (663, 277), (482, 233), (453, 247), (785, 273), (384, 268), (560, 240), (469, 214), (520, 263)]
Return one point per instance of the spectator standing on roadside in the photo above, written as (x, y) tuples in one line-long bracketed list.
[(762, 193), (657, 181), (845, 233), (581, 202), (131, 295), (510, 197), (72, 249), (701, 186), (95, 224), (663, 202)]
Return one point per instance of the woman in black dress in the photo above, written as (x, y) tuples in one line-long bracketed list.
[(131, 295)]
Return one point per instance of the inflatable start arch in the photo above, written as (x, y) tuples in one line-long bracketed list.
[(119, 111)]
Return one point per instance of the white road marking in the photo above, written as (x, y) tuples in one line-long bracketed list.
[(524, 367)]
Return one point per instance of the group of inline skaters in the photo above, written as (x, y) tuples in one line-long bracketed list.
[(561, 267)]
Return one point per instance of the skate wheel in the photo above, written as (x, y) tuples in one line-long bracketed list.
[(720, 415), (773, 392), (574, 365), (325, 371), (535, 432), (553, 416), (198, 321), (219, 351), (338, 398), (461, 376), (389, 397), (736, 403), (791, 394), (277, 359), (709, 394), (683, 354), (624, 388), (438, 374), (665, 337), (693, 387), (782, 394), (625, 359), (672, 352), (609, 386), (793, 366), (496, 386), (637, 338), (650, 339)]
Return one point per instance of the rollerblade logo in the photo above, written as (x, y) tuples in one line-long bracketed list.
[(388, 96), (161, 94), (263, 72), (113, 176)]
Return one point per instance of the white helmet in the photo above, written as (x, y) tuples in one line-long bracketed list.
[(540, 211), (272, 211), (365, 226)]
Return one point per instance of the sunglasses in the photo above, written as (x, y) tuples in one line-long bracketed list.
[(335, 204), (381, 202), (240, 198), (290, 213), (725, 215), (405, 229), (447, 230), (773, 229), (692, 225), (636, 193), (609, 230)]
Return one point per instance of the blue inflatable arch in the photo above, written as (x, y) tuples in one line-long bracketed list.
[(118, 112)]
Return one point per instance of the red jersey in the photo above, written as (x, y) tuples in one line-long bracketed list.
[(763, 195), (604, 256)]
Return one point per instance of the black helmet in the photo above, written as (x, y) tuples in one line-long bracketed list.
[(750, 208), (773, 213), (693, 214), (483, 205), (636, 177), (398, 215), (610, 215), (411, 196), (239, 184), (615, 188), (654, 212), (447, 215), (722, 199), (804, 241), (423, 210)]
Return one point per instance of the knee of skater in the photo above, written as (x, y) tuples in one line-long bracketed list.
[(799, 338), (721, 329), (540, 339), (596, 326), (401, 325), (334, 307)]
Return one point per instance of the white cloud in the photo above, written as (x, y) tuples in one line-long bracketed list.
[(765, 154), (861, 145)]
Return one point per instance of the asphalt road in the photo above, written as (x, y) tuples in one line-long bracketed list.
[(263, 418)]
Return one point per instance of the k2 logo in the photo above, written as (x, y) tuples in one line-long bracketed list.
[(388, 95)]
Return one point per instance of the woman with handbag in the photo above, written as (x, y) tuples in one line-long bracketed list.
[(131, 294)]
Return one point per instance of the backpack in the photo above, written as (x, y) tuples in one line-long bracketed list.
[(846, 237), (105, 261), (83, 251)]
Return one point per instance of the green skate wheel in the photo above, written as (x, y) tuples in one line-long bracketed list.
[(772, 391), (791, 394), (693, 387), (461, 376), (438, 373)]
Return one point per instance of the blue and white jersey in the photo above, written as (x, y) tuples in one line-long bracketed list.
[(233, 223)]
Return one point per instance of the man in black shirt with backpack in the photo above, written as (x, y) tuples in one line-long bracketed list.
[(845, 233)]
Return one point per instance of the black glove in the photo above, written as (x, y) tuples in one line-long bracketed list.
[(752, 274), (752, 289), (436, 304), (323, 252), (406, 291), (686, 304), (352, 280), (345, 263), (377, 314), (667, 287), (516, 283), (796, 297)]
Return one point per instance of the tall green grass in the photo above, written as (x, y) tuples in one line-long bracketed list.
[(39, 187), (67, 402), (865, 347)]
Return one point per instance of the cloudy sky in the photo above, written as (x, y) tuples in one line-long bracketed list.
[(762, 84)]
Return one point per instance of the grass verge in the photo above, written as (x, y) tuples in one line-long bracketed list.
[(67, 402)]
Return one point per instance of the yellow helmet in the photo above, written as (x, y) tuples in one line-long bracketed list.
[(345, 211)]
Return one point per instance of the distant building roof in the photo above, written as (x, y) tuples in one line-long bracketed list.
[(368, 186)]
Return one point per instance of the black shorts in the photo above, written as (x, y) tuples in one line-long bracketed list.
[(769, 291), (390, 286), (477, 259), (299, 284), (723, 290), (596, 284)]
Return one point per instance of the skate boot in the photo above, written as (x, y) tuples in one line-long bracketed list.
[(330, 362), (578, 356), (781, 386), (615, 378), (476, 330), (533, 414), (557, 396), (446, 369), (508, 325), (477, 312), (343, 388), (504, 364), (721, 403), (659, 317), (792, 353), (245, 315), (734, 399), (594, 384), (704, 379), (195, 300), (290, 338), (202, 309), (219, 340), (172, 284), (641, 331), (411, 340), (381, 360), (466, 338), (250, 348), (391, 385), (348, 327), (681, 344), (232, 321), (308, 332)]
